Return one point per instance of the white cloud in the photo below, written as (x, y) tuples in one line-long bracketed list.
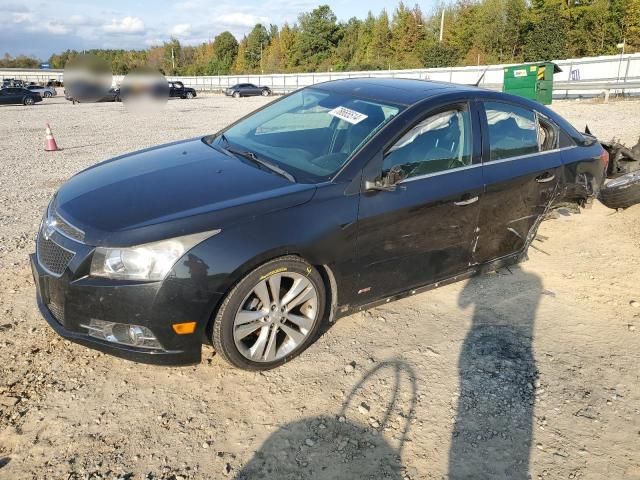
[(241, 19), (56, 28), (181, 30), (126, 25)]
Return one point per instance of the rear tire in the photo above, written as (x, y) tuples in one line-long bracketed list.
[(47, 95), (270, 316), (622, 192)]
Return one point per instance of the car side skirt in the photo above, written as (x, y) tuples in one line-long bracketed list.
[(346, 310)]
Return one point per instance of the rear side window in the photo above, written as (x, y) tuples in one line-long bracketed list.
[(513, 131), (438, 143), (547, 134)]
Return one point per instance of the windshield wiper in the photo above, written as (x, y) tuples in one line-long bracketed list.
[(254, 158)]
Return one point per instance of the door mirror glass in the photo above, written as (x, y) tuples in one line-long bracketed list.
[(387, 181)]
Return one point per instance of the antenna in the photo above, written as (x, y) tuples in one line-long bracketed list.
[(481, 77)]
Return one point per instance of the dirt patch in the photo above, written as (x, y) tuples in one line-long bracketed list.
[(528, 371)]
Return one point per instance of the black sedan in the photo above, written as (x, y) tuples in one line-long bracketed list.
[(332, 199), (247, 90), (18, 96), (177, 89)]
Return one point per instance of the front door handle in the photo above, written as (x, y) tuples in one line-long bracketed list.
[(545, 177), (466, 201)]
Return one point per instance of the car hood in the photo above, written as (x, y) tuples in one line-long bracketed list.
[(170, 190)]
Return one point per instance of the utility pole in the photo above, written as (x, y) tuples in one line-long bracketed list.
[(441, 25), (173, 61)]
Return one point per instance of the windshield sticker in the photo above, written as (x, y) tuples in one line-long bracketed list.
[(348, 115)]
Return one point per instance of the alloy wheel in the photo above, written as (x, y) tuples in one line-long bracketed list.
[(276, 317)]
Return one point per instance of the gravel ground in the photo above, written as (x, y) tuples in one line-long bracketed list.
[(530, 372)]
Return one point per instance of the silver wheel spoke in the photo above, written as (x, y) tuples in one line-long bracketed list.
[(262, 292), (245, 330), (296, 337), (270, 353), (274, 284), (247, 316), (257, 349), (303, 297), (302, 322), (298, 287)]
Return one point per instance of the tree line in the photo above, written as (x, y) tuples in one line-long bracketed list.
[(475, 32)]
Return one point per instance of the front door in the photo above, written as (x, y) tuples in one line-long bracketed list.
[(424, 230), (522, 165)]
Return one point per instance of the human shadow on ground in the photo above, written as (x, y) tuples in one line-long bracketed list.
[(492, 434), (339, 446)]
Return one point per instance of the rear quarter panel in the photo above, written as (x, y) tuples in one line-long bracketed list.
[(583, 172)]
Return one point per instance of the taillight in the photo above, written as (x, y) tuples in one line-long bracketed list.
[(604, 157)]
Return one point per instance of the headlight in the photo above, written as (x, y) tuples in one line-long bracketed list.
[(151, 261)]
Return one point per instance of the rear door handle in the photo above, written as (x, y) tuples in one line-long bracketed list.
[(545, 177), (466, 201)]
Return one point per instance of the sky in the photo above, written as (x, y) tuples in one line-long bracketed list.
[(40, 28)]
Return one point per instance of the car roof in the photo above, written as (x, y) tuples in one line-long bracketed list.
[(403, 91)]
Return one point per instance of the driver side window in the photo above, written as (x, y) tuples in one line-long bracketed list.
[(439, 142)]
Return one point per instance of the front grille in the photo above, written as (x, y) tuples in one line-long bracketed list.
[(57, 311), (52, 256), (66, 228)]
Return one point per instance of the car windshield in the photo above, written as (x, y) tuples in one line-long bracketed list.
[(311, 133)]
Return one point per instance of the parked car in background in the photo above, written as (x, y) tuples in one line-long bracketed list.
[(17, 95), (177, 89), (113, 95), (247, 90), (332, 199), (12, 82), (45, 92), (88, 95)]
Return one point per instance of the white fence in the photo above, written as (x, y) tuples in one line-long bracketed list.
[(615, 71)]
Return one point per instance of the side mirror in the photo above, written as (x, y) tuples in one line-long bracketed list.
[(388, 182)]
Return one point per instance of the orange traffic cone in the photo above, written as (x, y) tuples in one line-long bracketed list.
[(50, 144)]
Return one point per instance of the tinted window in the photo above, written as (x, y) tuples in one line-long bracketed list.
[(440, 142), (512, 130)]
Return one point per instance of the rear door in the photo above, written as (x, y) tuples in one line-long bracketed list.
[(12, 95), (423, 231), (521, 169)]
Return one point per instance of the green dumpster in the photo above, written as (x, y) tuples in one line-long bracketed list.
[(531, 80)]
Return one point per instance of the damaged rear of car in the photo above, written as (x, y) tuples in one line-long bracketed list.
[(622, 187)]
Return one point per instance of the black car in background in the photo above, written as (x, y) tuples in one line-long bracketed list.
[(329, 200), (18, 95), (113, 95), (177, 89), (247, 90), (90, 94)]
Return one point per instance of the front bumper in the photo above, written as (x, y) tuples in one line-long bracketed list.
[(84, 302)]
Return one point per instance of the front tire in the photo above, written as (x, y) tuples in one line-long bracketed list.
[(28, 101), (270, 316), (266, 93), (236, 94), (47, 95), (189, 95)]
